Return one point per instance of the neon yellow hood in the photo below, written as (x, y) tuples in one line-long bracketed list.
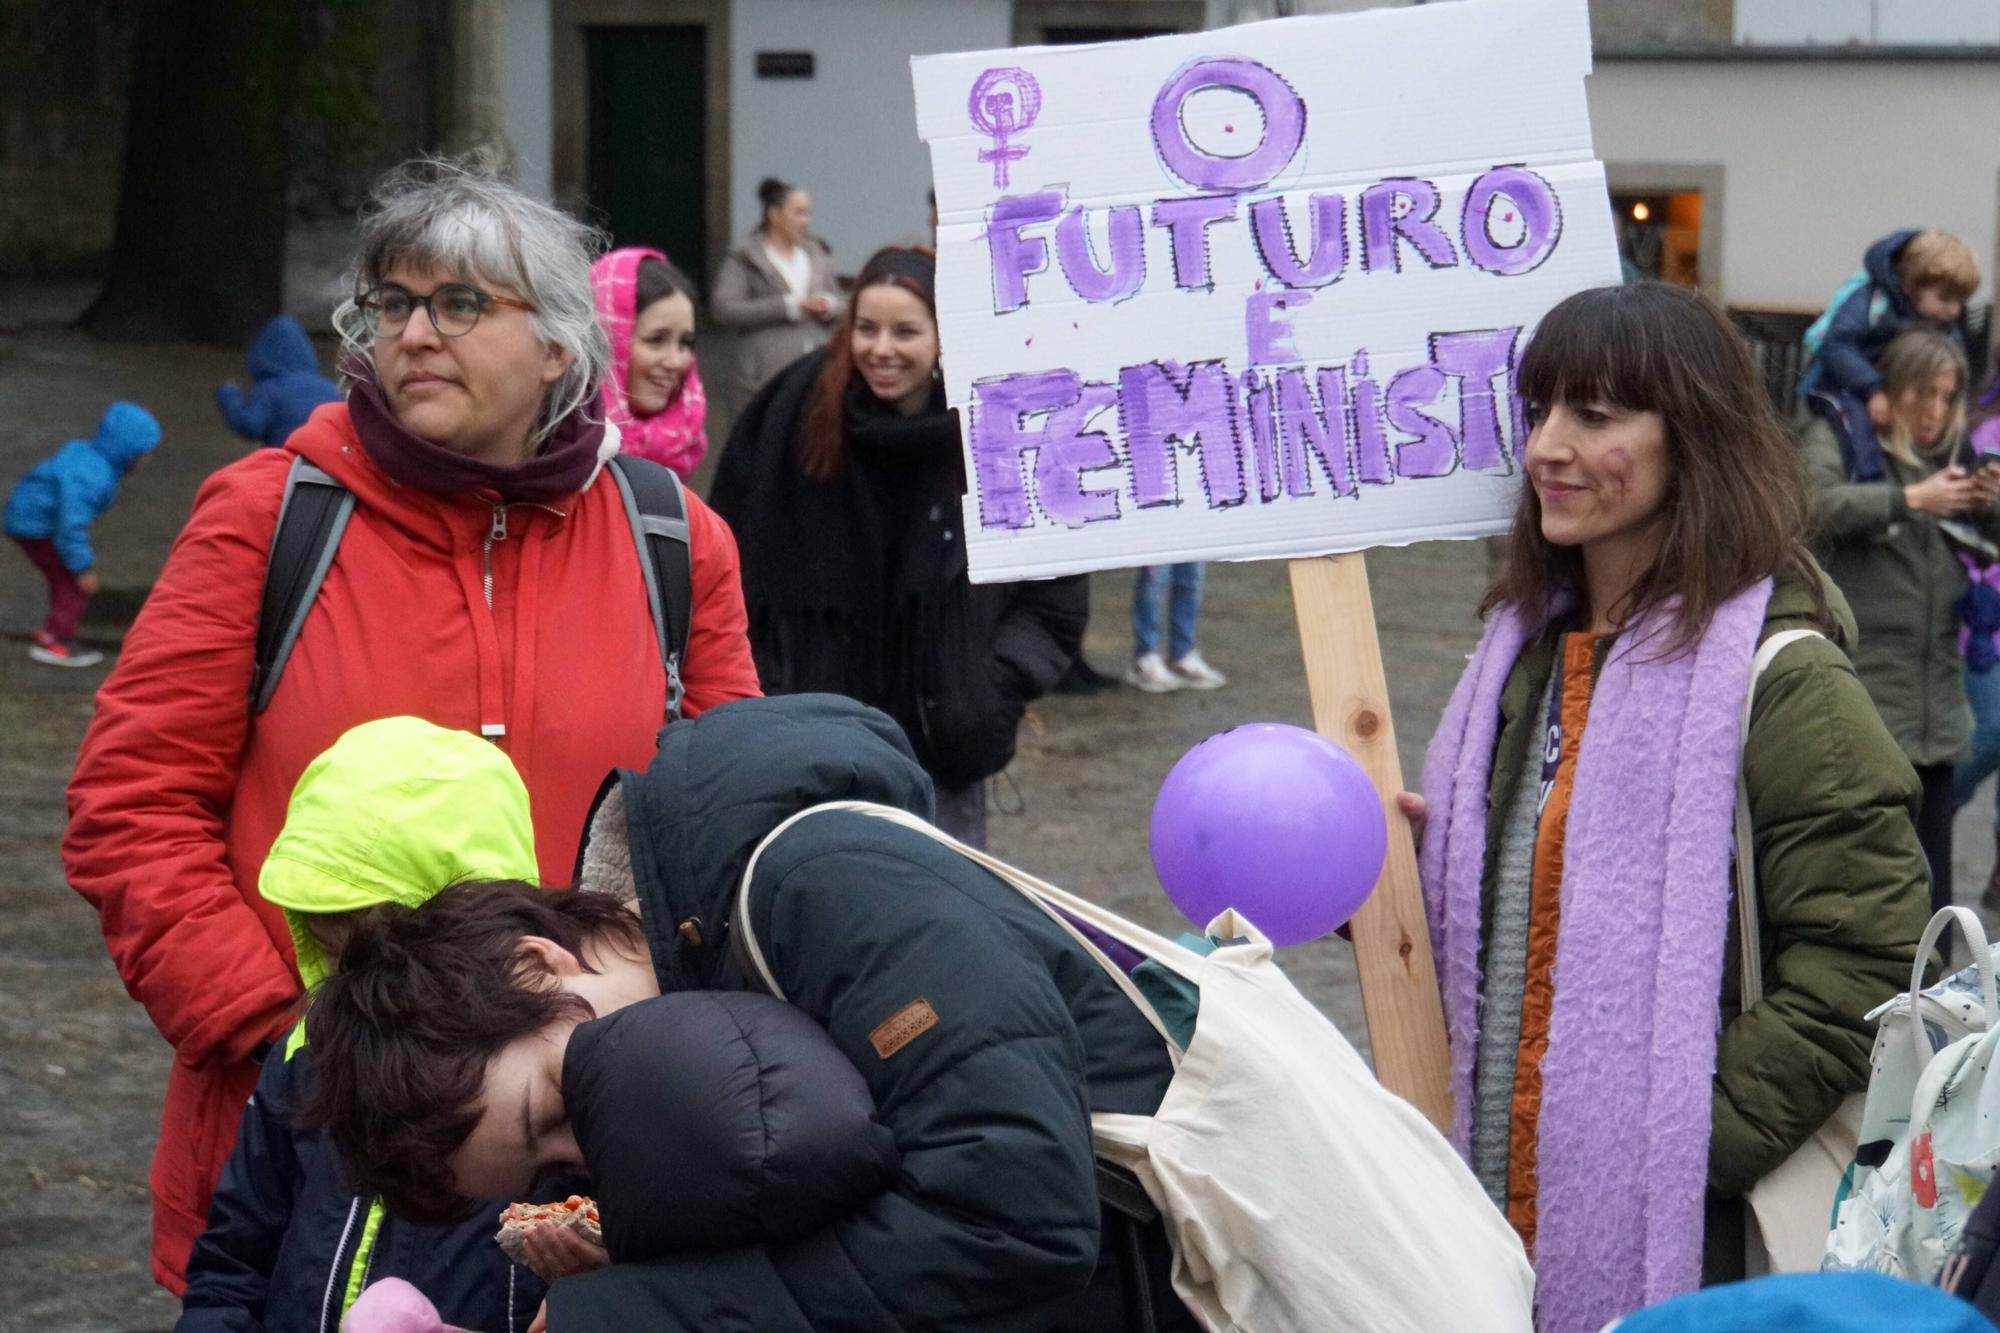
[(392, 812)]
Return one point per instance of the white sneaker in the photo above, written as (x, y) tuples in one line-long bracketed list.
[(1150, 674), (1197, 674), (64, 655)]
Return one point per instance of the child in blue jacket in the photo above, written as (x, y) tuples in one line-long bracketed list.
[(1906, 278), (285, 385), (49, 513)]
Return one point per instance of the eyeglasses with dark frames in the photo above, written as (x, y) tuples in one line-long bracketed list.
[(453, 308)]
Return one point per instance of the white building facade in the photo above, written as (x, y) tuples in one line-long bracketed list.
[(1755, 147)]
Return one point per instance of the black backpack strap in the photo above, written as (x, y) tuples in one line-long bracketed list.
[(656, 506), (1133, 1211), (311, 518)]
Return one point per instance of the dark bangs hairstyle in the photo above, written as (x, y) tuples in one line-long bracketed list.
[(425, 997), (658, 279), (823, 442), (1735, 508)]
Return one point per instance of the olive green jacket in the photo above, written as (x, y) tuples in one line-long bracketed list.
[(1842, 890), (1897, 569)]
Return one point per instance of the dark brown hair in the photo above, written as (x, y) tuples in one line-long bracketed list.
[(823, 441), (658, 279), (1735, 508), (424, 999), (771, 193)]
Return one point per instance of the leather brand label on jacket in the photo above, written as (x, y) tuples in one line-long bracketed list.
[(904, 1026)]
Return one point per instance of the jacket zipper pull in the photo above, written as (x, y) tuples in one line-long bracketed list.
[(498, 532)]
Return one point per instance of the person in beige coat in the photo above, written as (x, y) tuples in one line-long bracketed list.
[(776, 288)]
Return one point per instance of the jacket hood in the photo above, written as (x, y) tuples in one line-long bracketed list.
[(281, 348), (722, 781), (127, 433), (392, 812), (676, 435), (1881, 265)]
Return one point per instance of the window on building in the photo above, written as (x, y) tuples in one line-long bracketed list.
[(1867, 22), (1659, 235)]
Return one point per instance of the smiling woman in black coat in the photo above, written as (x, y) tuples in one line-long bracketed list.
[(842, 480)]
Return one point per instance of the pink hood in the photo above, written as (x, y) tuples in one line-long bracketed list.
[(675, 435)]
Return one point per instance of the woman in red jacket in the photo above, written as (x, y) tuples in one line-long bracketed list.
[(487, 581)]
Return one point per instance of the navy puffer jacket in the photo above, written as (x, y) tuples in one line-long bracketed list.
[(985, 1034), (711, 1119), (286, 1236)]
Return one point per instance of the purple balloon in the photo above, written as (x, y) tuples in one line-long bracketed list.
[(1275, 821)]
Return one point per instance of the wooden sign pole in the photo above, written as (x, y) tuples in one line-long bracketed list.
[(1392, 942)]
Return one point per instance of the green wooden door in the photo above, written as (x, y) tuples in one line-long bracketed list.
[(647, 161)]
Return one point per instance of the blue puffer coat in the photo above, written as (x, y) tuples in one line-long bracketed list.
[(986, 1035), (286, 1237), (285, 385), (63, 495), (1864, 323)]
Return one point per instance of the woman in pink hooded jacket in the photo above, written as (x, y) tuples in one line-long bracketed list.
[(653, 394)]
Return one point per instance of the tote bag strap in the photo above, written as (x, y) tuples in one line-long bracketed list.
[(1180, 960), (1750, 935)]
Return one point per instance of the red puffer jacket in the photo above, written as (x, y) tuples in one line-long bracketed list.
[(179, 793)]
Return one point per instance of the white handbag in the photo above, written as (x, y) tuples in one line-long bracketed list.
[(1297, 1192), (1791, 1209)]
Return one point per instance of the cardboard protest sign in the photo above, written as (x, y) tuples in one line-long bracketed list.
[(1257, 292)]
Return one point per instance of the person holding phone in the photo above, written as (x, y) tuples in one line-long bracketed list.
[(1891, 541)]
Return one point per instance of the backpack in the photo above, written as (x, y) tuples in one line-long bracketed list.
[(1929, 1145), (1815, 336), (314, 513)]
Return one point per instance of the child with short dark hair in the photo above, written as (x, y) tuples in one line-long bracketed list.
[(49, 513)]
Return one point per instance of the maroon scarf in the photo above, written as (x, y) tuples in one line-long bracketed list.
[(559, 468)]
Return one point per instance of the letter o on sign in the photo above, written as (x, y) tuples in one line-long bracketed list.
[(1284, 125)]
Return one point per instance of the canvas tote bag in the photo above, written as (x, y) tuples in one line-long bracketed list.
[(1791, 1209), (1297, 1192)]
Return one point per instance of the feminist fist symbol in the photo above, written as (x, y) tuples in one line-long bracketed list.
[(1004, 103)]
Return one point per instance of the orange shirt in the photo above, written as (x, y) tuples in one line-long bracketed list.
[(1544, 920)]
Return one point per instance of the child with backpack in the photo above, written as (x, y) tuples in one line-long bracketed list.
[(395, 811), (1906, 278), (285, 385), (49, 513)]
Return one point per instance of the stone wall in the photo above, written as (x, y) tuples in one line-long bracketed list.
[(64, 66)]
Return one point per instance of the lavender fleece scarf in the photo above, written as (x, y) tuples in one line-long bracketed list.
[(1623, 1150)]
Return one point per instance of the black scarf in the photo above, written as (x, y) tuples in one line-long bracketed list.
[(824, 558)]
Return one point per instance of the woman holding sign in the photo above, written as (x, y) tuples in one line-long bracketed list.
[(1582, 788), (842, 479)]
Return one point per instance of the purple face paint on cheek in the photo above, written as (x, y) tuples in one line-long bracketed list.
[(1618, 466)]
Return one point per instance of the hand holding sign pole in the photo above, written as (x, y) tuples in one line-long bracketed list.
[(1260, 293)]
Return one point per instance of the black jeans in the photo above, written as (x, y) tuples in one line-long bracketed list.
[(1934, 829)]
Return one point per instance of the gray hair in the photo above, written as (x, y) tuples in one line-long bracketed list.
[(459, 215)]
